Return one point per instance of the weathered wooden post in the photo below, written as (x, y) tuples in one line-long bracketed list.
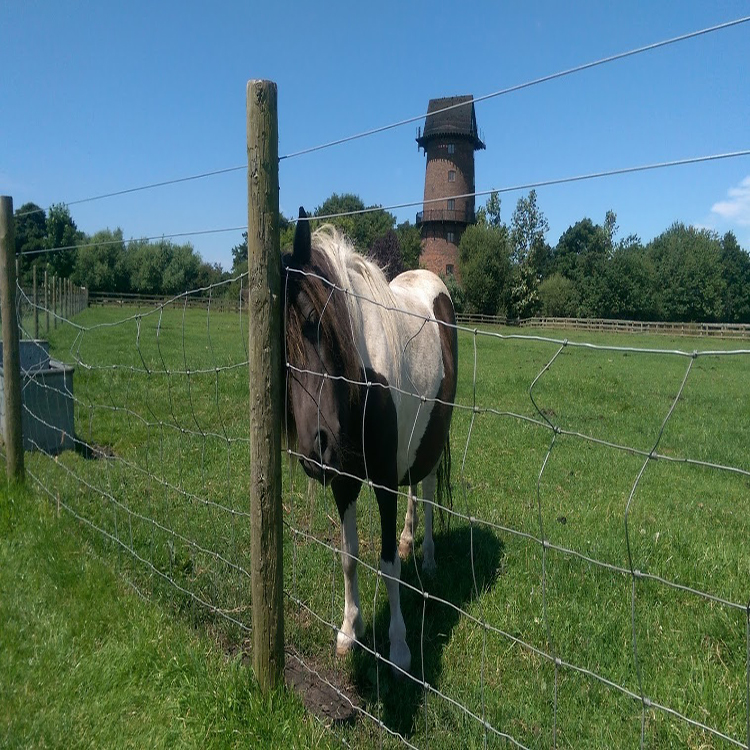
[(46, 301), (264, 314), (11, 350)]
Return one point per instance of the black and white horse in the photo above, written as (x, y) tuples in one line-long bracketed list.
[(371, 374)]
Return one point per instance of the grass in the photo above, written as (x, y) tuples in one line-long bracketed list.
[(171, 422), (85, 662)]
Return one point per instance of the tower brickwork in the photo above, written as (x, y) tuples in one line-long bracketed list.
[(449, 140)]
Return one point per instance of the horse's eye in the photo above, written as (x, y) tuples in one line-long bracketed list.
[(311, 327)]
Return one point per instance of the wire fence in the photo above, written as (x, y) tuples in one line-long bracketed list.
[(560, 493), (592, 585), (592, 581)]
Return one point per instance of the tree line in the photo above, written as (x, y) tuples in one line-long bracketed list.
[(684, 274), (105, 261), (507, 269)]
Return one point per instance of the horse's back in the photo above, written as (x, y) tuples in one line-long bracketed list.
[(429, 363)]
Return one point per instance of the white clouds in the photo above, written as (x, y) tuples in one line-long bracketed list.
[(736, 209)]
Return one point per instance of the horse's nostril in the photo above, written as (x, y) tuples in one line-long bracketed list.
[(321, 443)]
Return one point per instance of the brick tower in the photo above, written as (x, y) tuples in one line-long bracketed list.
[(449, 141)]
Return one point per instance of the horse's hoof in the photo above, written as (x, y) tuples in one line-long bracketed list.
[(344, 644), (429, 566), (405, 549), (400, 658)]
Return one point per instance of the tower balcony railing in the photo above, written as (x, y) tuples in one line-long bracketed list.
[(459, 216)]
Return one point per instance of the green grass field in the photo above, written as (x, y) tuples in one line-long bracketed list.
[(163, 500)]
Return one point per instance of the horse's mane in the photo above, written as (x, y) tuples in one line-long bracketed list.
[(343, 287)]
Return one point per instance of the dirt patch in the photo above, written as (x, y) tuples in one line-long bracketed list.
[(321, 690)]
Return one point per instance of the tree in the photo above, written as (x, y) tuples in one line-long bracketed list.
[(361, 228), (558, 297), (581, 256), (484, 256), (528, 227), (31, 237), (181, 265), (410, 241), (239, 256), (386, 252), (61, 240), (490, 213), (523, 295), (99, 263), (688, 266), (631, 292), (735, 271), (456, 291), (610, 229)]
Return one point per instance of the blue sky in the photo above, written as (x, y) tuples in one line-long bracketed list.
[(100, 97)]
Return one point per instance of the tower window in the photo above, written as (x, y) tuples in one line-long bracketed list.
[(449, 269), (451, 148), (451, 175), (451, 204), (450, 236)]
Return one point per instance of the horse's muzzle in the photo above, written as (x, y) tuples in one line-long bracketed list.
[(321, 461)]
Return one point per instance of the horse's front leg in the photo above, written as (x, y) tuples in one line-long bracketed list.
[(353, 627), (406, 541), (390, 566)]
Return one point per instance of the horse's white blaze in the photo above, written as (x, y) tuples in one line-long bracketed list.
[(352, 627)]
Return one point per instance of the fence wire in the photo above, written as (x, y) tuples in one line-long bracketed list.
[(650, 703), (592, 583)]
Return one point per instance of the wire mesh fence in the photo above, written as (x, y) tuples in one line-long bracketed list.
[(592, 575), (592, 584)]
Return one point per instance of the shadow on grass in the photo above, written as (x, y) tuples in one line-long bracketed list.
[(402, 698)]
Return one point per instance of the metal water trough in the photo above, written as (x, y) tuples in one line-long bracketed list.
[(47, 399)]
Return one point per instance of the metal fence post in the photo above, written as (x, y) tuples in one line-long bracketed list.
[(264, 314)]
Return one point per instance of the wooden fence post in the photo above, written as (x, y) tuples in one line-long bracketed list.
[(11, 349), (36, 304), (46, 302), (264, 314)]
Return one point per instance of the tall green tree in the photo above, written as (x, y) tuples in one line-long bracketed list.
[(528, 226), (631, 285), (688, 264), (581, 256), (484, 257), (30, 237), (735, 271), (62, 238), (490, 213)]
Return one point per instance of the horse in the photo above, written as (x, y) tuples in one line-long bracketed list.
[(371, 373)]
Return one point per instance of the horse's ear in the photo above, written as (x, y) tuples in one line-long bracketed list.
[(302, 242)]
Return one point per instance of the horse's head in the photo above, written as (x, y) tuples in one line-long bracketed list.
[(320, 355)]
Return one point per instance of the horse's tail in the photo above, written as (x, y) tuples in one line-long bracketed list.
[(444, 492)]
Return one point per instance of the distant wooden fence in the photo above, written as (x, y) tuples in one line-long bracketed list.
[(232, 305), (720, 330), (189, 300)]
